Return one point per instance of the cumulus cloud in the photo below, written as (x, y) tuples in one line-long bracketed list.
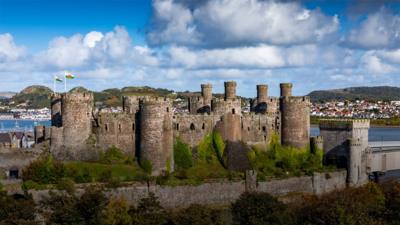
[(375, 65), (380, 30), (9, 51), (238, 22)]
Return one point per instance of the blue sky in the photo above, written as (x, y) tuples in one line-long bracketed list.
[(178, 44)]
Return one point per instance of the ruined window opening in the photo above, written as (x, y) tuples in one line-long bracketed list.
[(167, 109), (14, 173), (177, 126), (119, 127), (203, 127), (106, 127), (264, 128), (233, 111), (133, 126), (265, 138), (248, 128), (192, 126)]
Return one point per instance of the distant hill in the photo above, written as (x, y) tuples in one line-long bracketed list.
[(385, 93), (35, 96)]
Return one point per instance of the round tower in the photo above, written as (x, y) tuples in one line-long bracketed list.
[(286, 89), (77, 108), (354, 170), (262, 93), (230, 90), (206, 93), (156, 138), (295, 121)]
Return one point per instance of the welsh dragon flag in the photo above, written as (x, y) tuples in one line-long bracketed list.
[(69, 76), (56, 78)]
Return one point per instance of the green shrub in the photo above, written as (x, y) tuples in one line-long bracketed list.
[(105, 176), (19, 211), (219, 146), (259, 208), (182, 154), (44, 170), (146, 165), (83, 176), (197, 215), (149, 212), (114, 155), (66, 184)]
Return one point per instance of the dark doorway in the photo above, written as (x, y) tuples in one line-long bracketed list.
[(14, 174)]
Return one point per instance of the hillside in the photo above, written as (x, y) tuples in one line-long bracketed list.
[(385, 93), (35, 96)]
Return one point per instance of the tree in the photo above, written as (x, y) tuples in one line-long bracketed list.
[(116, 213), (17, 209), (182, 154), (254, 208)]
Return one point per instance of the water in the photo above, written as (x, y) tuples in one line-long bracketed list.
[(20, 125), (375, 133)]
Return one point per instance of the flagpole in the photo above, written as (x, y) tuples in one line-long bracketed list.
[(54, 85)]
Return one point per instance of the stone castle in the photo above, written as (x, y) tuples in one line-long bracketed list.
[(148, 127)]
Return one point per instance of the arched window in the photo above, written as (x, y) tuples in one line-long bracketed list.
[(233, 111), (119, 128), (192, 126), (133, 126), (248, 128), (177, 126), (167, 109), (106, 127), (203, 127), (264, 128)]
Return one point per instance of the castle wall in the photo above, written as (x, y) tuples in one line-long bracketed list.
[(117, 129), (256, 128), (221, 106), (130, 104), (295, 121), (56, 114), (223, 192), (193, 128)]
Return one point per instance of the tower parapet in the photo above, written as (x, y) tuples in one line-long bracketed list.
[(206, 93), (286, 89), (56, 118), (262, 93), (295, 121)]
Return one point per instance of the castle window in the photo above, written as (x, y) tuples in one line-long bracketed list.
[(106, 127), (133, 126), (265, 138), (233, 111), (264, 128), (177, 126), (203, 127), (248, 128), (119, 128), (167, 109), (192, 126)]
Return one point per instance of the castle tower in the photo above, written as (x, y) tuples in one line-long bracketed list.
[(295, 120), (354, 168), (77, 108), (286, 89), (130, 104), (156, 137), (206, 93), (230, 90), (262, 93)]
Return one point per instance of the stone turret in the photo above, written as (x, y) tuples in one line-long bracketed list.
[(130, 104), (230, 90), (295, 121), (262, 93), (56, 118), (286, 89), (156, 137), (206, 93), (77, 109), (354, 168)]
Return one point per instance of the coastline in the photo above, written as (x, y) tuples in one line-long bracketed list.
[(315, 125)]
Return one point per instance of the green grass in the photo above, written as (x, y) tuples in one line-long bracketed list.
[(123, 172)]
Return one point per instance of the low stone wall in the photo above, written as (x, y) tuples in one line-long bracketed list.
[(221, 193)]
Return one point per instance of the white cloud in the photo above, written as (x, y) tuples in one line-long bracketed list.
[(379, 30), (375, 65), (9, 51), (238, 22)]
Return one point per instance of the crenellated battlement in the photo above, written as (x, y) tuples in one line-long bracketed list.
[(296, 99), (344, 123)]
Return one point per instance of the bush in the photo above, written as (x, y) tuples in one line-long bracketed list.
[(105, 176), (182, 154), (114, 155), (146, 166), (211, 148), (197, 215), (44, 170), (83, 176), (116, 212), (148, 212), (19, 210), (66, 184), (259, 208)]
